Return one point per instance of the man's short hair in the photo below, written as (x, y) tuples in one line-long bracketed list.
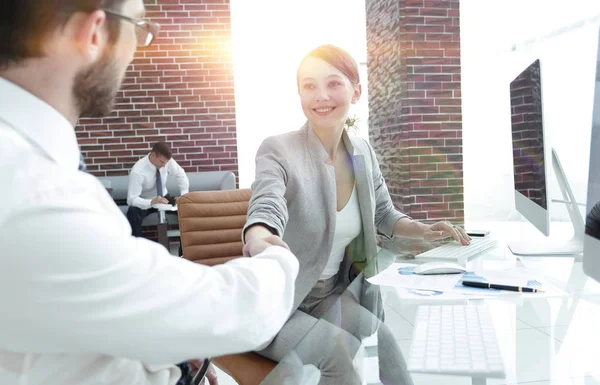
[(161, 148), (24, 24)]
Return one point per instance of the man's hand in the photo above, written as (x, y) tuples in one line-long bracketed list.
[(211, 373), (211, 376), (257, 245), (159, 200)]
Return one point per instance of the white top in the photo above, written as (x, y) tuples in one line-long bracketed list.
[(83, 302), (142, 181), (347, 227)]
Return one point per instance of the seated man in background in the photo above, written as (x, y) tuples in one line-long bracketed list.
[(82, 301), (148, 184)]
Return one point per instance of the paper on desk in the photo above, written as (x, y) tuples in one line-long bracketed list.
[(469, 290), (516, 276), (164, 207), (420, 295), (450, 288), (401, 275)]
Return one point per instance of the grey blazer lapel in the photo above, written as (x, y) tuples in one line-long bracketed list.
[(365, 200), (363, 251)]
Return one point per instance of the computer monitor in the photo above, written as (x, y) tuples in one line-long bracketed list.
[(529, 162), (530, 168), (591, 253)]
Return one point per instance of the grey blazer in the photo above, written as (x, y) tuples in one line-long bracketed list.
[(295, 194)]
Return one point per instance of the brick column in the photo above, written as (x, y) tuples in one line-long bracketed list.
[(179, 90), (415, 104)]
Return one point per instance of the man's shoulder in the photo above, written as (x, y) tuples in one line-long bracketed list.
[(140, 165), (18, 172), (34, 182), (173, 163)]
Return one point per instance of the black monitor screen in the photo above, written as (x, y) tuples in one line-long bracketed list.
[(592, 220), (528, 135)]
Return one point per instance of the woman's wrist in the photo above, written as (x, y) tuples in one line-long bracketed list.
[(257, 230), (419, 229), (409, 228)]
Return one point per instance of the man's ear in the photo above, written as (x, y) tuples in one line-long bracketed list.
[(91, 34)]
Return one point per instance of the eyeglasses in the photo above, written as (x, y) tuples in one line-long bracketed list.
[(145, 30)]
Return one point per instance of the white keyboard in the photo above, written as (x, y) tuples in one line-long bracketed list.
[(455, 339), (454, 251)]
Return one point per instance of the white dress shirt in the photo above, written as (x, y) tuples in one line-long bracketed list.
[(142, 181), (82, 302)]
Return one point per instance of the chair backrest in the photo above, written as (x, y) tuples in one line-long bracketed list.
[(211, 224)]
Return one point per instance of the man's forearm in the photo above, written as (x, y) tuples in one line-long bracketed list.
[(141, 203)]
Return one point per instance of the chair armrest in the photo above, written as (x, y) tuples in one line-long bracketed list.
[(227, 182)]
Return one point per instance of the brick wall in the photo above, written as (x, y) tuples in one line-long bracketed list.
[(415, 104), (527, 134), (178, 90)]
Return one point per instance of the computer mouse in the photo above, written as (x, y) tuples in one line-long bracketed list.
[(431, 268)]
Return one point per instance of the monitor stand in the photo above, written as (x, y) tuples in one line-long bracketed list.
[(554, 247), (547, 247)]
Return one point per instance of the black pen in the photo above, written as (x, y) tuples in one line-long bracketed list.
[(485, 285)]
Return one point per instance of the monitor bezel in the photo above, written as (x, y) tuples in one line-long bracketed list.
[(534, 213), (591, 245)]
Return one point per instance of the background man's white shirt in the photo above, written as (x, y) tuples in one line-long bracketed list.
[(82, 301), (142, 181)]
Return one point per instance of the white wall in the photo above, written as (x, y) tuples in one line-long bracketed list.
[(270, 37), (488, 32)]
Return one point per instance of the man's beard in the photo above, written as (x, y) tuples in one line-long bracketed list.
[(95, 88)]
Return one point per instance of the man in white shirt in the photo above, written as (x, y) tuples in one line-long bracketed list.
[(82, 302), (148, 184)]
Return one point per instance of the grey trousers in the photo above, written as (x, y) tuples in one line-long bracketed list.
[(326, 331)]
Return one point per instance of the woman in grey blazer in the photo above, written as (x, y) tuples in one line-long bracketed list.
[(322, 191)]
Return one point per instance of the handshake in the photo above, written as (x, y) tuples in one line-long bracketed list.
[(257, 245)]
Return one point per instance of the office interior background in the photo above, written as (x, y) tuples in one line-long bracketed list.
[(223, 77), (495, 46)]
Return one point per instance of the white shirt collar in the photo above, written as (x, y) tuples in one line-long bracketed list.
[(40, 123), (149, 164)]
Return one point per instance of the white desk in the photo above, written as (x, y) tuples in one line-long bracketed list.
[(544, 340)]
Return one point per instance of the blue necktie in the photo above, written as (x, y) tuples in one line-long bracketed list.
[(159, 186), (82, 166)]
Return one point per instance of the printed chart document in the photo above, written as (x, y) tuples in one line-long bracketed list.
[(515, 276), (402, 275), (409, 285)]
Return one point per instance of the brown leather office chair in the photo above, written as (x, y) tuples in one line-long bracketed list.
[(211, 225)]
